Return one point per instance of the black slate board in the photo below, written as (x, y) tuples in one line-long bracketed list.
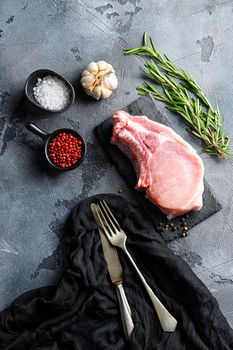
[(169, 229)]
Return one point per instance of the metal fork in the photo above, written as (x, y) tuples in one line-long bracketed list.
[(117, 237)]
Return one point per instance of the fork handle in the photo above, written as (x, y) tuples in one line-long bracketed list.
[(167, 321)]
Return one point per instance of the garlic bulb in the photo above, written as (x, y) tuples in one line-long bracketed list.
[(99, 80)]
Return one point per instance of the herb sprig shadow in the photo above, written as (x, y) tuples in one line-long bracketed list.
[(203, 120)]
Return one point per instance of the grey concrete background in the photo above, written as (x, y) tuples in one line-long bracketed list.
[(65, 36)]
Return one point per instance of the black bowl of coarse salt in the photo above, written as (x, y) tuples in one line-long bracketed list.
[(49, 91)]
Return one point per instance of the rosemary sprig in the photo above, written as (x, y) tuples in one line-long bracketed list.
[(203, 120)]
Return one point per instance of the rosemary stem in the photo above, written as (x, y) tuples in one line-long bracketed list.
[(204, 121)]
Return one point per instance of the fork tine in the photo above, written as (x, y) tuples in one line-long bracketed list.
[(105, 225), (107, 216), (111, 214), (98, 213)]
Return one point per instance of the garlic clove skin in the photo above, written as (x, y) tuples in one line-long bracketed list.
[(105, 93), (87, 81), (110, 82), (96, 93), (89, 91), (99, 80), (86, 73), (102, 65), (110, 68), (93, 68)]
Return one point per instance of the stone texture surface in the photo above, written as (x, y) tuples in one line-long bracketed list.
[(65, 35)]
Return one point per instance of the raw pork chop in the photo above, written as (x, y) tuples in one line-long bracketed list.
[(167, 167)]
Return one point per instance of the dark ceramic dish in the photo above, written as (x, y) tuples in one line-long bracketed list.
[(31, 83), (49, 137)]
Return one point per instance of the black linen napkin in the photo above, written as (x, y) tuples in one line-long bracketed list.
[(82, 312)]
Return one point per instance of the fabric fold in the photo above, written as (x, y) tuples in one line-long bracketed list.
[(82, 312)]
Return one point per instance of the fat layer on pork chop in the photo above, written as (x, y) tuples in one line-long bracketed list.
[(167, 167)]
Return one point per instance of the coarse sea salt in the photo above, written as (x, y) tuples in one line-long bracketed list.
[(51, 93)]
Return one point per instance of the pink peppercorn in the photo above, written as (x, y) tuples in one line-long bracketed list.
[(65, 150)]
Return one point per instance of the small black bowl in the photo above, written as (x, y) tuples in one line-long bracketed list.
[(31, 83), (49, 138)]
